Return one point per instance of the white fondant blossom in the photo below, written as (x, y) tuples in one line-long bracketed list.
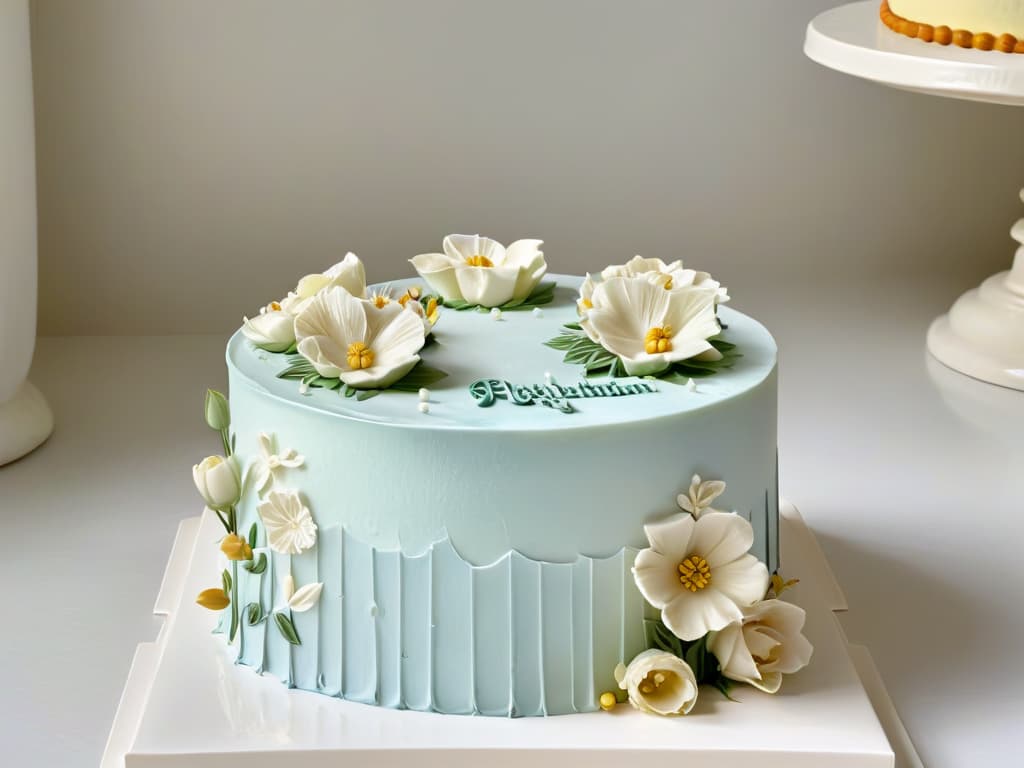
[(479, 270), (650, 328), (348, 273), (658, 682), (289, 525), (352, 340), (218, 481), (698, 499), (699, 573), (302, 599), (672, 276), (269, 461), (273, 329), (766, 644)]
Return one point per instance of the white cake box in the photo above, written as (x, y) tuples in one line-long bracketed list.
[(187, 704)]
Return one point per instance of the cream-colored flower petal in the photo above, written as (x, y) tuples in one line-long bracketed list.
[(734, 657), (660, 683), (272, 331), (787, 621), (743, 581), (671, 536), (288, 523), (657, 577), (305, 597), (287, 587), (310, 285), (524, 254), (379, 377), (324, 355), (529, 278), (291, 459), (722, 537), (487, 286), (335, 313), (396, 335), (467, 246), (644, 364), (439, 273), (349, 274), (708, 491), (693, 614)]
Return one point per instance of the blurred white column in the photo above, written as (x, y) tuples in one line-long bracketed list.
[(25, 418)]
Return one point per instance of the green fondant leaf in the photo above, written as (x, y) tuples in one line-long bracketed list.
[(287, 629), (366, 394), (421, 376), (225, 579), (253, 532), (542, 294), (573, 326), (259, 565), (253, 613)]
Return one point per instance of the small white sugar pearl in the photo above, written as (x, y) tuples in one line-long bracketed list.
[(424, 395), (424, 407), (548, 378), (496, 314), (691, 385), (538, 312), (303, 388)]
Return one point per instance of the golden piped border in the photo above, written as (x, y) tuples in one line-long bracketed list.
[(944, 35)]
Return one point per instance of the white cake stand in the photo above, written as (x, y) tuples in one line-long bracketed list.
[(983, 333)]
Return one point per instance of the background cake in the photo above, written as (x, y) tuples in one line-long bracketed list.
[(983, 24), (480, 530)]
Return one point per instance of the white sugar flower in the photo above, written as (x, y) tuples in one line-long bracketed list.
[(218, 481), (650, 328), (290, 527), (264, 465), (482, 271), (302, 599), (671, 276), (348, 273), (702, 492), (273, 329), (658, 682), (352, 340), (699, 572), (766, 644)]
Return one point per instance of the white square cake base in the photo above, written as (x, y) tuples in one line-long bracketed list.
[(186, 703)]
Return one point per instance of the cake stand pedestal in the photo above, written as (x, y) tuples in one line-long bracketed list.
[(983, 333), (187, 704)]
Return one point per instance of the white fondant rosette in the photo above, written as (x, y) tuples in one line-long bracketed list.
[(364, 346), (672, 276), (699, 573), (479, 271), (649, 328), (288, 523), (765, 644)]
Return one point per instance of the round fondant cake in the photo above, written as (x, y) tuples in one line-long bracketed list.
[(983, 24), (486, 490)]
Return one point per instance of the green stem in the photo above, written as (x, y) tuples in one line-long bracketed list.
[(233, 519), (226, 441), (223, 521), (234, 602)]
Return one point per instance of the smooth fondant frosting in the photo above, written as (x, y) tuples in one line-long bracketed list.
[(477, 559), (992, 16)]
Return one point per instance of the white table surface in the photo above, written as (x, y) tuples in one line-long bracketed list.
[(911, 476)]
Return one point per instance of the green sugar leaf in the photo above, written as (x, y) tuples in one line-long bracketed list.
[(225, 579), (287, 629), (542, 294), (420, 376), (257, 566), (253, 532), (253, 614)]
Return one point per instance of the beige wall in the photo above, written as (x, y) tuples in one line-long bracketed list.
[(197, 156)]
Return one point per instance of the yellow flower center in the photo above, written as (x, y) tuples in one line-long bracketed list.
[(275, 306), (479, 261), (359, 356), (380, 300), (654, 680), (694, 573), (411, 294), (587, 303), (431, 311), (658, 340), (668, 284)]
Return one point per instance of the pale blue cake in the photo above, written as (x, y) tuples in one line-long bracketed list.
[(475, 559)]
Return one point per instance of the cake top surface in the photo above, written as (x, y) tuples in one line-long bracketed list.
[(487, 355)]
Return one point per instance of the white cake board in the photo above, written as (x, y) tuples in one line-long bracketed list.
[(187, 704)]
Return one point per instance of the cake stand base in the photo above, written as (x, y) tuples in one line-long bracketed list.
[(25, 422), (983, 334), (187, 704)]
